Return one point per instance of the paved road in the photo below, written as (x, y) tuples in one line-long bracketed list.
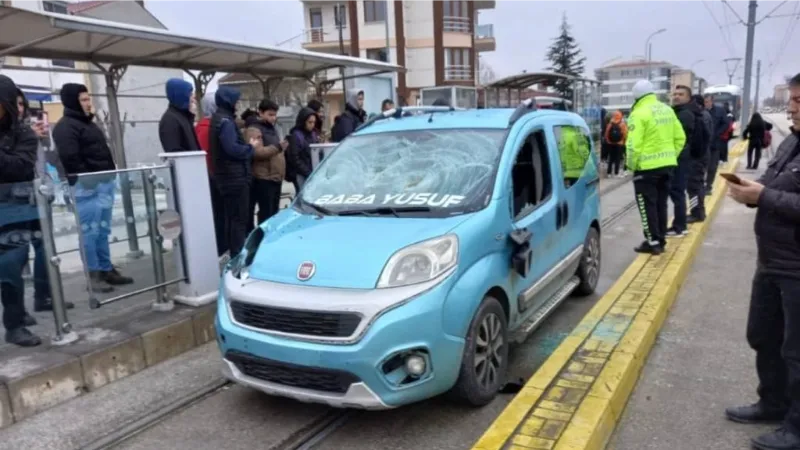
[(240, 418)]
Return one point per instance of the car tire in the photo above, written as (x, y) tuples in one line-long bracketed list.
[(487, 340), (589, 268)]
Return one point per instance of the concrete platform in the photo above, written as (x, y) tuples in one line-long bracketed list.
[(578, 394)]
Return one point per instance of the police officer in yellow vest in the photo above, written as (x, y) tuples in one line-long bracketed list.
[(574, 153), (655, 139)]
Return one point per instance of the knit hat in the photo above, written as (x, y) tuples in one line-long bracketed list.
[(642, 88)]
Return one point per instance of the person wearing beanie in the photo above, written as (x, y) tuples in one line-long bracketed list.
[(655, 140), (176, 127), (83, 150)]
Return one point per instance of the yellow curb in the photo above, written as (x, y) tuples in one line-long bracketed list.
[(578, 394)]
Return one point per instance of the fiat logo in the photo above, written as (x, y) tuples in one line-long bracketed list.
[(306, 271)]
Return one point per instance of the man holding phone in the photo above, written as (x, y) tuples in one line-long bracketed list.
[(269, 164), (773, 324)]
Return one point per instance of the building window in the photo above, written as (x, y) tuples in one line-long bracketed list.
[(340, 16), (315, 21), (58, 8), (455, 17), (458, 64), (374, 11), (377, 54), (455, 8)]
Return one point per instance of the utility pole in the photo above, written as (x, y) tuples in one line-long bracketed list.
[(339, 16), (748, 62), (758, 84)]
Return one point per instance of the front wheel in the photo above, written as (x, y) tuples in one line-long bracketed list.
[(589, 268), (485, 361)]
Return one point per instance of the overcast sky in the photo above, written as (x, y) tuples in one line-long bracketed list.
[(523, 29)]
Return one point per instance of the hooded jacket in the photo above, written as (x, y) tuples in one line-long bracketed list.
[(349, 120), (616, 119), (175, 129), (777, 224), (80, 143), (298, 157), (230, 154), (18, 145), (44, 155), (203, 125)]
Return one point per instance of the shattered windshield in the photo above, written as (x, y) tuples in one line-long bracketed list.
[(421, 170)]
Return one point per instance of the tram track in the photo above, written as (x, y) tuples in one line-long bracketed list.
[(306, 438)]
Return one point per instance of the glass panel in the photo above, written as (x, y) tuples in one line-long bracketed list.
[(110, 264)]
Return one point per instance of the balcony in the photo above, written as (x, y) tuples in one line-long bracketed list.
[(453, 24), (484, 38), (459, 73), (325, 39)]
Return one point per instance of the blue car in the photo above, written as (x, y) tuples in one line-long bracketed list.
[(419, 249)]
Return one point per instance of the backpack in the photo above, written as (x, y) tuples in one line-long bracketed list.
[(615, 133), (767, 139), (726, 135)]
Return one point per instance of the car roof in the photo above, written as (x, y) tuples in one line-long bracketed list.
[(493, 118)]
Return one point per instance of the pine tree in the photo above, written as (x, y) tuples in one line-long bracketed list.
[(565, 57)]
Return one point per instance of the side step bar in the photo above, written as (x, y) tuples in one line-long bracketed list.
[(545, 310)]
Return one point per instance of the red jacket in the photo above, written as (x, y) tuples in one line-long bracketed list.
[(202, 128)]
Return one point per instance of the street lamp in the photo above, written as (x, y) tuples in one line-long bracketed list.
[(647, 50)]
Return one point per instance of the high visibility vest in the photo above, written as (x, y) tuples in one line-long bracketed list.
[(655, 135)]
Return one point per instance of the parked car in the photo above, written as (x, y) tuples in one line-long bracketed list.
[(415, 254)]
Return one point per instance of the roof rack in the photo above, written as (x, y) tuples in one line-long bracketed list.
[(399, 113), (526, 106)]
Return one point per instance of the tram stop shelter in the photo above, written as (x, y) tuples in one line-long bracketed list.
[(586, 99), (110, 48)]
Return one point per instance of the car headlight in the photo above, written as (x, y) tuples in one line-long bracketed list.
[(239, 266), (420, 262)]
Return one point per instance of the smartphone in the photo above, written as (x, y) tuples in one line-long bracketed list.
[(732, 177)]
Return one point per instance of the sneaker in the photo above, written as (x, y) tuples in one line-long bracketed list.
[(695, 219), (47, 305), (22, 337), (672, 232), (780, 439), (755, 413), (651, 248), (98, 283), (114, 278)]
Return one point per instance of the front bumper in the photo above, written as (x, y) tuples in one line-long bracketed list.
[(414, 325)]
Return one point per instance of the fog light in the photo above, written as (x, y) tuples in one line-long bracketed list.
[(415, 365)]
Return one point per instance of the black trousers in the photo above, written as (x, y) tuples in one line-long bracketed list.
[(753, 153), (236, 206), (267, 195), (652, 195), (773, 331), (218, 212), (696, 187), (712, 165), (614, 158), (12, 286)]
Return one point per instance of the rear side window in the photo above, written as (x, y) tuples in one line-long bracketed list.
[(574, 151)]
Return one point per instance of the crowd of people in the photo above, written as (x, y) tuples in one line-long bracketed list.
[(248, 160)]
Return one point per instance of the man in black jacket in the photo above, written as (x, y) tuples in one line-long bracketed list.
[(696, 185), (773, 324), (719, 144), (682, 101), (176, 127), (83, 150), (350, 119), (232, 167), (18, 213)]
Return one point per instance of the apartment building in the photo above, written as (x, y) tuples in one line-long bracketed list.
[(781, 94), (618, 80), (436, 41)]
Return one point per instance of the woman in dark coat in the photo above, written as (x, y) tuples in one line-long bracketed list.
[(754, 133)]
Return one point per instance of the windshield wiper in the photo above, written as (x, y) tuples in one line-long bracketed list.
[(319, 209), (385, 210)]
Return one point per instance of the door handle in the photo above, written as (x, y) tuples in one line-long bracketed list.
[(559, 218), (565, 215)]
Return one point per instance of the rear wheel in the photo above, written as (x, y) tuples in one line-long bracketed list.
[(589, 268), (485, 361)]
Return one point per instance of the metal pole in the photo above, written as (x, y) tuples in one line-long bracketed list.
[(44, 195), (341, 49), (148, 181), (748, 62), (650, 61), (119, 158), (758, 84)]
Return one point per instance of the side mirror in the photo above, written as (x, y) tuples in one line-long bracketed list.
[(522, 254)]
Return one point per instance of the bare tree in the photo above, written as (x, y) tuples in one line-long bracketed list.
[(486, 74)]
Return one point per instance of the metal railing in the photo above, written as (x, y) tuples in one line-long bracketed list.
[(459, 73), (454, 24), (329, 34)]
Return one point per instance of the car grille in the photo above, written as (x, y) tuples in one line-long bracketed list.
[(313, 378), (293, 321)]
